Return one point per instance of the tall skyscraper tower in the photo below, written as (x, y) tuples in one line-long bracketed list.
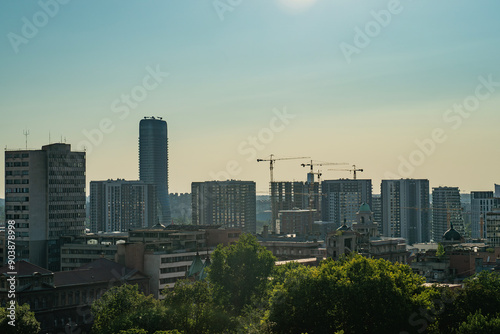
[(446, 210), (482, 202), (405, 209), (45, 196), (153, 162)]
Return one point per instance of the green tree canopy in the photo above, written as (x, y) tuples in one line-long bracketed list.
[(239, 273), (125, 308), (193, 310), (355, 294), (25, 321)]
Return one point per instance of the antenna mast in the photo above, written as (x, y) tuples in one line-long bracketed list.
[(26, 134)]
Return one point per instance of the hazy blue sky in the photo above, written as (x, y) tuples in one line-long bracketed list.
[(361, 81)]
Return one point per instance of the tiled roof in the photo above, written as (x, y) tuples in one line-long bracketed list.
[(102, 270), (24, 268)]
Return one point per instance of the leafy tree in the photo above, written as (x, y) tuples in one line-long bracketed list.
[(125, 308), (481, 292), (193, 310), (478, 323), (355, 294), (25, 321), (440, 251), (240, 273)]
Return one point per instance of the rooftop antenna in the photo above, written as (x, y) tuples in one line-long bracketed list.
[(49, 138), (26, 134)]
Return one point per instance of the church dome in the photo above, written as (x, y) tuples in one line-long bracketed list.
[(452, 234), (365, 208)]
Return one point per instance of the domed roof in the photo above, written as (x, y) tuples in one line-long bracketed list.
[(452, 234), (344, 227), (365, 208)]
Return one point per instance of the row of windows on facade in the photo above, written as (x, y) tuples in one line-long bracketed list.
[(72, 181), (16, 155), (16, 207), (66, 190), (177, 259), (16, 172), (66, 164), (17, 164), (173, 269), (17, 216), (66, 207), (17, 181), (17, 190)]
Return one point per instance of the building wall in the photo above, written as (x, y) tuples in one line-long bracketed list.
[(446, 210), (120, 205), (153, 162), (342, 198), (227, 203), (405, 209), (493, 228), (482, 202), (45, 195)]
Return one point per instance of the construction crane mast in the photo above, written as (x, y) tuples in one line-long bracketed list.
[(353, 170), (271, 160), (312, 164)]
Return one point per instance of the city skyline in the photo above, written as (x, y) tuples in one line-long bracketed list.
[(368, 84)]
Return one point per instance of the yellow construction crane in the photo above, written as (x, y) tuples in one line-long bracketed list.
[(272, 159), (353, 170)]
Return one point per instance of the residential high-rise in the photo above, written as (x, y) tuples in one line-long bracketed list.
[(289, 195), (482, 202), (45, 195), (497, 190), (446, 210), (493, 227), (121, 205), (342, 198), (405, 209), (377, 211), (228, 203), (153, 162)]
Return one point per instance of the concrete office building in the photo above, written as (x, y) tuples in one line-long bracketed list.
[(287, 195), (342, 198), (377, 211), (121, 205), (227, 203), (45, 195), (482, 202), (493, 227), (153, 162), (446, 210), (405, 209)]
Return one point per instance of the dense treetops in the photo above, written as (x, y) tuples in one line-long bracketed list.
[(245, 293)]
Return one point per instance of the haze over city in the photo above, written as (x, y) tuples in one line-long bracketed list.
[(399, 88)]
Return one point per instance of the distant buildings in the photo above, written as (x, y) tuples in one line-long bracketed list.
[(62, 300), (153, 162), (296, 221), (377, 212), (45, 195), (482, 202), (363, 238), (341, 199), (446, 210), (287, 195), (121, 205), (228, 203), (493, 228), (405, 209), (166, 253)]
